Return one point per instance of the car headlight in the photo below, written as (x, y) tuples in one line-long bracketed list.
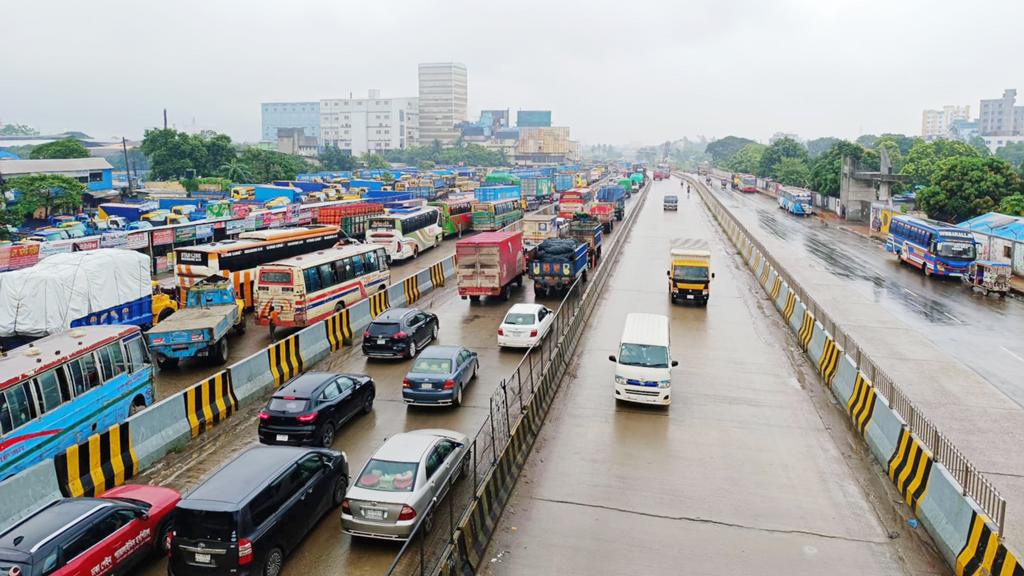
[(664, 383), (620, 380), (705, 292)]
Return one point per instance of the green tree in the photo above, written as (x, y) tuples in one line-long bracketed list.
[(54, 193), (904, 142), (219, 151), (893, 149), (781, 148), (923, 160), (819, 146), (136, 158), (18, 130), (1012, 205), (333, 158), (427, 165), (792, 172), (725, 148), (236, 171), (963, 187), (827, 168), (269, 165), (374, 161), (172, 154), (867, 140), (747, 159), (979, 144), (1012, 153), (66, 148)]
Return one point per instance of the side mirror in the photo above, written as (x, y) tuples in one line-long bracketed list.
[(712, 275), (328, 465), (612, 357), (668, 273)]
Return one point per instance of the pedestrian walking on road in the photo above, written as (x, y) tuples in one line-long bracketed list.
[(273, 322)]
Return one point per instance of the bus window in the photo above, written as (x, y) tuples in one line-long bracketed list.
[(343, 270), (312, 280), (17, 406), (327, 275), (90, 370), (5, 415), (116, 357), (51, 389), (78, 378), (105, 364), (371, 261), (136, 354), (357, 262)]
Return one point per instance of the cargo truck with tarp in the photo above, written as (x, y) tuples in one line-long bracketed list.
[(587, 229), (557, 263), (616, 195)]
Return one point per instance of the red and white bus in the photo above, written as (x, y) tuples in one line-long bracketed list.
[(306, 289)]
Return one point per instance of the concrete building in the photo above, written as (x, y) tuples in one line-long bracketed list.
[(936, 124), (545, 146), (442, 94), (374, 123), (533, 118), (294, 141), (275, 115), (1001, 116), (994, 143), (95, 173)]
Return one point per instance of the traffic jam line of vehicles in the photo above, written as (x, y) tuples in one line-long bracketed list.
[(222, 525)]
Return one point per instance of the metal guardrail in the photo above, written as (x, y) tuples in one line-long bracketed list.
[(433, 539), (972, 482)]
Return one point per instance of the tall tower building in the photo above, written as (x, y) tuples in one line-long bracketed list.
[(442, 101)]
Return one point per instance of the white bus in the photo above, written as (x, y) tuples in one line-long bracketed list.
[(406, 232), (306, 289)]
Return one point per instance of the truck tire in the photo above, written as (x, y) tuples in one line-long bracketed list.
[(506, 292), (167, 363), (474, 299), (163, 315), (583, 276), (240, 327), (220, 355), (519, 281)]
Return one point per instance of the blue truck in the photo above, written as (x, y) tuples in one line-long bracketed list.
[(130, 212), (265, 193), (589, 230), (201, 328), (616, 194), (557, 263)]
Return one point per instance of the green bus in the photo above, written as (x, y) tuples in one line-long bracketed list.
[(456, 215), (495, 215)]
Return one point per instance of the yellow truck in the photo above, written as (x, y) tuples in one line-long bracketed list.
[(689, 274)]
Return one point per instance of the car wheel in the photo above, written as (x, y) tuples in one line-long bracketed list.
[(412, 348), (340, 487), (273, 563), (327, 435), (368, 404), (415, 252), (433, 333), (162, 544), (457, 401), (475, 366)]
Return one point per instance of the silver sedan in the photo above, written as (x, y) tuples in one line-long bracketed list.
[(391, 494)]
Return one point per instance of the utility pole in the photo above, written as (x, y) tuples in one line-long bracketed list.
[(127, 167), (165, 118)]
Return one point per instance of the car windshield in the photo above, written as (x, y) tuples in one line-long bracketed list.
[(643, 355), (690, 274), (956, 250), (204, 525), (388, 476), (288, 405), (432, 366), (518, 319), (382, 329)]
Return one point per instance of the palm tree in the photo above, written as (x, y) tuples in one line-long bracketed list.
[(236, 171)]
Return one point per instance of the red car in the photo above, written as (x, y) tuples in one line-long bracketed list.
[(91, 536)]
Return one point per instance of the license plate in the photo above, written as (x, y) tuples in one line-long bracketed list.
[(426, 386), (282, 437), (203, 558), (689, 296), (373, 514), (380, 341)]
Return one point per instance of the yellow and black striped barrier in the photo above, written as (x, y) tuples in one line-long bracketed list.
[(862, 403), (764, 272), (437, 275), (411, 285), (787, 311), (103, 461), (909, 468), (776, 287), (829, 360), (984, 553), (285, 359), (379, 303), (339, 330), (209, 402), (806, 330)]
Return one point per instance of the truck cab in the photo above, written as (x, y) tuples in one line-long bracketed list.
[(689, 274)]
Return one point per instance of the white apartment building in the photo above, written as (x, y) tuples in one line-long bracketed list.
[(442, 95), (372, 124), (935, 124)]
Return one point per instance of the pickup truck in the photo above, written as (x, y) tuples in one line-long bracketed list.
[(200, 329), (489, 263), (587, 229), (557, 263)]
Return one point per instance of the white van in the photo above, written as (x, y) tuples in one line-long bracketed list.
[(643, 367)]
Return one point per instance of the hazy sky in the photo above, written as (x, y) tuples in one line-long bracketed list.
[(614, 71)]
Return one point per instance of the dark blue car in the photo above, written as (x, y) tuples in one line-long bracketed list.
[(438, 376)]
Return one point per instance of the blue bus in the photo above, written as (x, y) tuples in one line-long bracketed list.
[(796, 202), (936, 248), (58, 390)]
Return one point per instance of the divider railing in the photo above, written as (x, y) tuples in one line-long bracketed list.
[(972, 481)]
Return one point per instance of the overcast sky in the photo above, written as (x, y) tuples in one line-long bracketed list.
[(622, 71)]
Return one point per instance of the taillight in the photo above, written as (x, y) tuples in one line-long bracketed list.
[(533, 333), (407, 513), (264, 415), (400, 335), (346, 507), (244, 552), (501, 332), (307, 418), (366, 334), (449, 384), (406, 383)]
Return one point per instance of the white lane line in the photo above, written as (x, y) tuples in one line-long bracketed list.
[(909, 292), (953, 318), (1007, 350)]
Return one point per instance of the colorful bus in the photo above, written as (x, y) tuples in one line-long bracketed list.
[(306, 289), (748, 183), (238, 258), (405, 232), (495, 215), (59, 390), (796, 202), (456, 215), (936, 248)]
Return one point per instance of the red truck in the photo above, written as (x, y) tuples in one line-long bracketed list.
[(352, 217), (487, 264)]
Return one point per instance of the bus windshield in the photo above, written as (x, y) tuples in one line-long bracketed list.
[(955, 249)]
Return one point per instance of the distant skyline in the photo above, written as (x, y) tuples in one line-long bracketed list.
[(643, 73)]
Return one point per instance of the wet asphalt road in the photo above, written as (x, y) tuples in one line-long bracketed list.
[(326, 550), (752, 470), (985, 333)]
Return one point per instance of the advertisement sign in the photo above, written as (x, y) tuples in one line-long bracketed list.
[(235, 227), (137, 241), (24, 256), (204, 230), (87, 244), (251, 224), (55, 247), (306, 216), (240, 210), (273, 219), (162, 237), (114, 240), (184, 234), (163, 264)]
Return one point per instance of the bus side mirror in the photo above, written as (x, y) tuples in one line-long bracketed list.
[(675, 363), (612, 357)]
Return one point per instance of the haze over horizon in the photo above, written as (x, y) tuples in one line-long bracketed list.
[(715, 68)]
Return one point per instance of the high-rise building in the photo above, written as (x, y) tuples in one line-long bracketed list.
[(998, 116), (936, 124), (442, 101), (304, 115), (372, 124)]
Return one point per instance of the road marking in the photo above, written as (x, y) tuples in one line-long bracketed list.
[(953, 318), (1007, 350)]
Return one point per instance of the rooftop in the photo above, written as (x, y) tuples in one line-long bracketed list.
[(237, 479), (15, 167), (996, 224)]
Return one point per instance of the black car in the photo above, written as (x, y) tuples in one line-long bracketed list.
[(245, 518), (310, 409), (399, 332)]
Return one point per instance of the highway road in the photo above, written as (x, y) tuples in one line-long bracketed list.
[(327, 550), (984, 333), (752, 470)]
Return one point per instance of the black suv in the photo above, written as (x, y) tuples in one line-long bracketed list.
[(254, 510), (311, 408), (399, 332)]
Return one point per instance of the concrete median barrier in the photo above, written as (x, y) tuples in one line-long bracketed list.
[(845, 379), (27, 492), (796, 319), (910, 468), (339, 330), (159, 429), (782, 296), (209, 402), (829, 361), (103, 461), (817, 342), (252, 377), (882, 431), (313, 343), (361, 316), (285, 359)]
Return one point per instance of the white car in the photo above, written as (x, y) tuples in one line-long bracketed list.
[(525, 325)]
